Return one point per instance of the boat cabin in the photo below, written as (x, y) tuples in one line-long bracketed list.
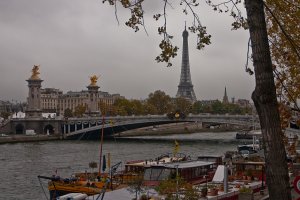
[(193, 172), (251, 150), (134, 170), (135, 166), (138, 166), (247, 147)]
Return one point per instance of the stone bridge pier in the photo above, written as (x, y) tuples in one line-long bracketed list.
[(48, 127)]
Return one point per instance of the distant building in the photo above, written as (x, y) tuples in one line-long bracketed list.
[(232, 100), (208, 102), (225, 97), (9, 107), (5, 106), (55, 101), (49, 99), (244, 103), (71, 100)]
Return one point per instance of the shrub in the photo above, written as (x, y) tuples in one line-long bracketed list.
[(245, 190)]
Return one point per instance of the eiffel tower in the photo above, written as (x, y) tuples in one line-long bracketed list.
[(185, 87)]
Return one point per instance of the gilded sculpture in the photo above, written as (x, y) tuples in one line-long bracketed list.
[(35, 72), (94, 80)]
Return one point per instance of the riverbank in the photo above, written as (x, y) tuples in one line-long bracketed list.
[(27, 138)]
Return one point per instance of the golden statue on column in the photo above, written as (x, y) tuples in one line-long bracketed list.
[(94, 80), (35, 72)]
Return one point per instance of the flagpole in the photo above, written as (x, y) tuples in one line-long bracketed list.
[(102, 130), (176, 148)]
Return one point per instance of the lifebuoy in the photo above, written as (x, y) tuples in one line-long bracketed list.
[(296, 184)]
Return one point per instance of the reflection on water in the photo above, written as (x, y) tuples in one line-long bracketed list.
[(21, 163)]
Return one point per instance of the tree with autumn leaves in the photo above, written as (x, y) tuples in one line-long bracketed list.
[(283, 19), (282, 59), (265, 100), (160, 103)]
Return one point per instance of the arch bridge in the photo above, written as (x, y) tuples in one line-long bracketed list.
[(90, 128)]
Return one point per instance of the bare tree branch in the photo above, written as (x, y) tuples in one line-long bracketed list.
[(247, 69), (116, 13), (277, 74)]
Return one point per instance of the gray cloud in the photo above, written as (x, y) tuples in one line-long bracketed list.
[(73, 39)]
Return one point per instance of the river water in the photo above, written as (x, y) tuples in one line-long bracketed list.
[(21, 163)]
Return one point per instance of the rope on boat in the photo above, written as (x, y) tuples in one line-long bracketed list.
[(43, 188), (81, 136), (102, 192)]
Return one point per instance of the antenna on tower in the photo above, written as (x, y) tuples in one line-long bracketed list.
[(184, 25)]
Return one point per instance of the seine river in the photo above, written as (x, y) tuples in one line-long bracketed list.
[(21, 163)]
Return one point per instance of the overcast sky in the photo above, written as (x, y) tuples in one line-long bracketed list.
[(74, 39)]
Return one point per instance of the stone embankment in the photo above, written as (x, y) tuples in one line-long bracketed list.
[(26, 138)]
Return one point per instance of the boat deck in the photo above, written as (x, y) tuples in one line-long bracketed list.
[(234, 194)]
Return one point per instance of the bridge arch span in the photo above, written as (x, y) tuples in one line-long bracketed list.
[(118, 124), (20, 129), (48, 129)]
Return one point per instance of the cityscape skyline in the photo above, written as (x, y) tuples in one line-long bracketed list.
[(71, 42)]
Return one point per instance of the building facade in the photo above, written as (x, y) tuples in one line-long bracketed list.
[(244, 103), (49, 99), (55, 101), (5, 106)]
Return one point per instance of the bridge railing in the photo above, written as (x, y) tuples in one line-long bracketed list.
[(165, 115)]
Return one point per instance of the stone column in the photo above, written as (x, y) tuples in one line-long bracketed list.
[(64, 129), (69, 128), (93, 97), (34, 95)]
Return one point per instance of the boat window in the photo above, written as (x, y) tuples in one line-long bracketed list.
[(165, 174), (259, 167), (199, 171), (147, 174), (244, 152), (203, 171), (156, 174)]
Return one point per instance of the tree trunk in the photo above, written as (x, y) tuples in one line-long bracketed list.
[(264, 97)]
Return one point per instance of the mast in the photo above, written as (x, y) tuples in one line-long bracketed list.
[(101, 144)]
